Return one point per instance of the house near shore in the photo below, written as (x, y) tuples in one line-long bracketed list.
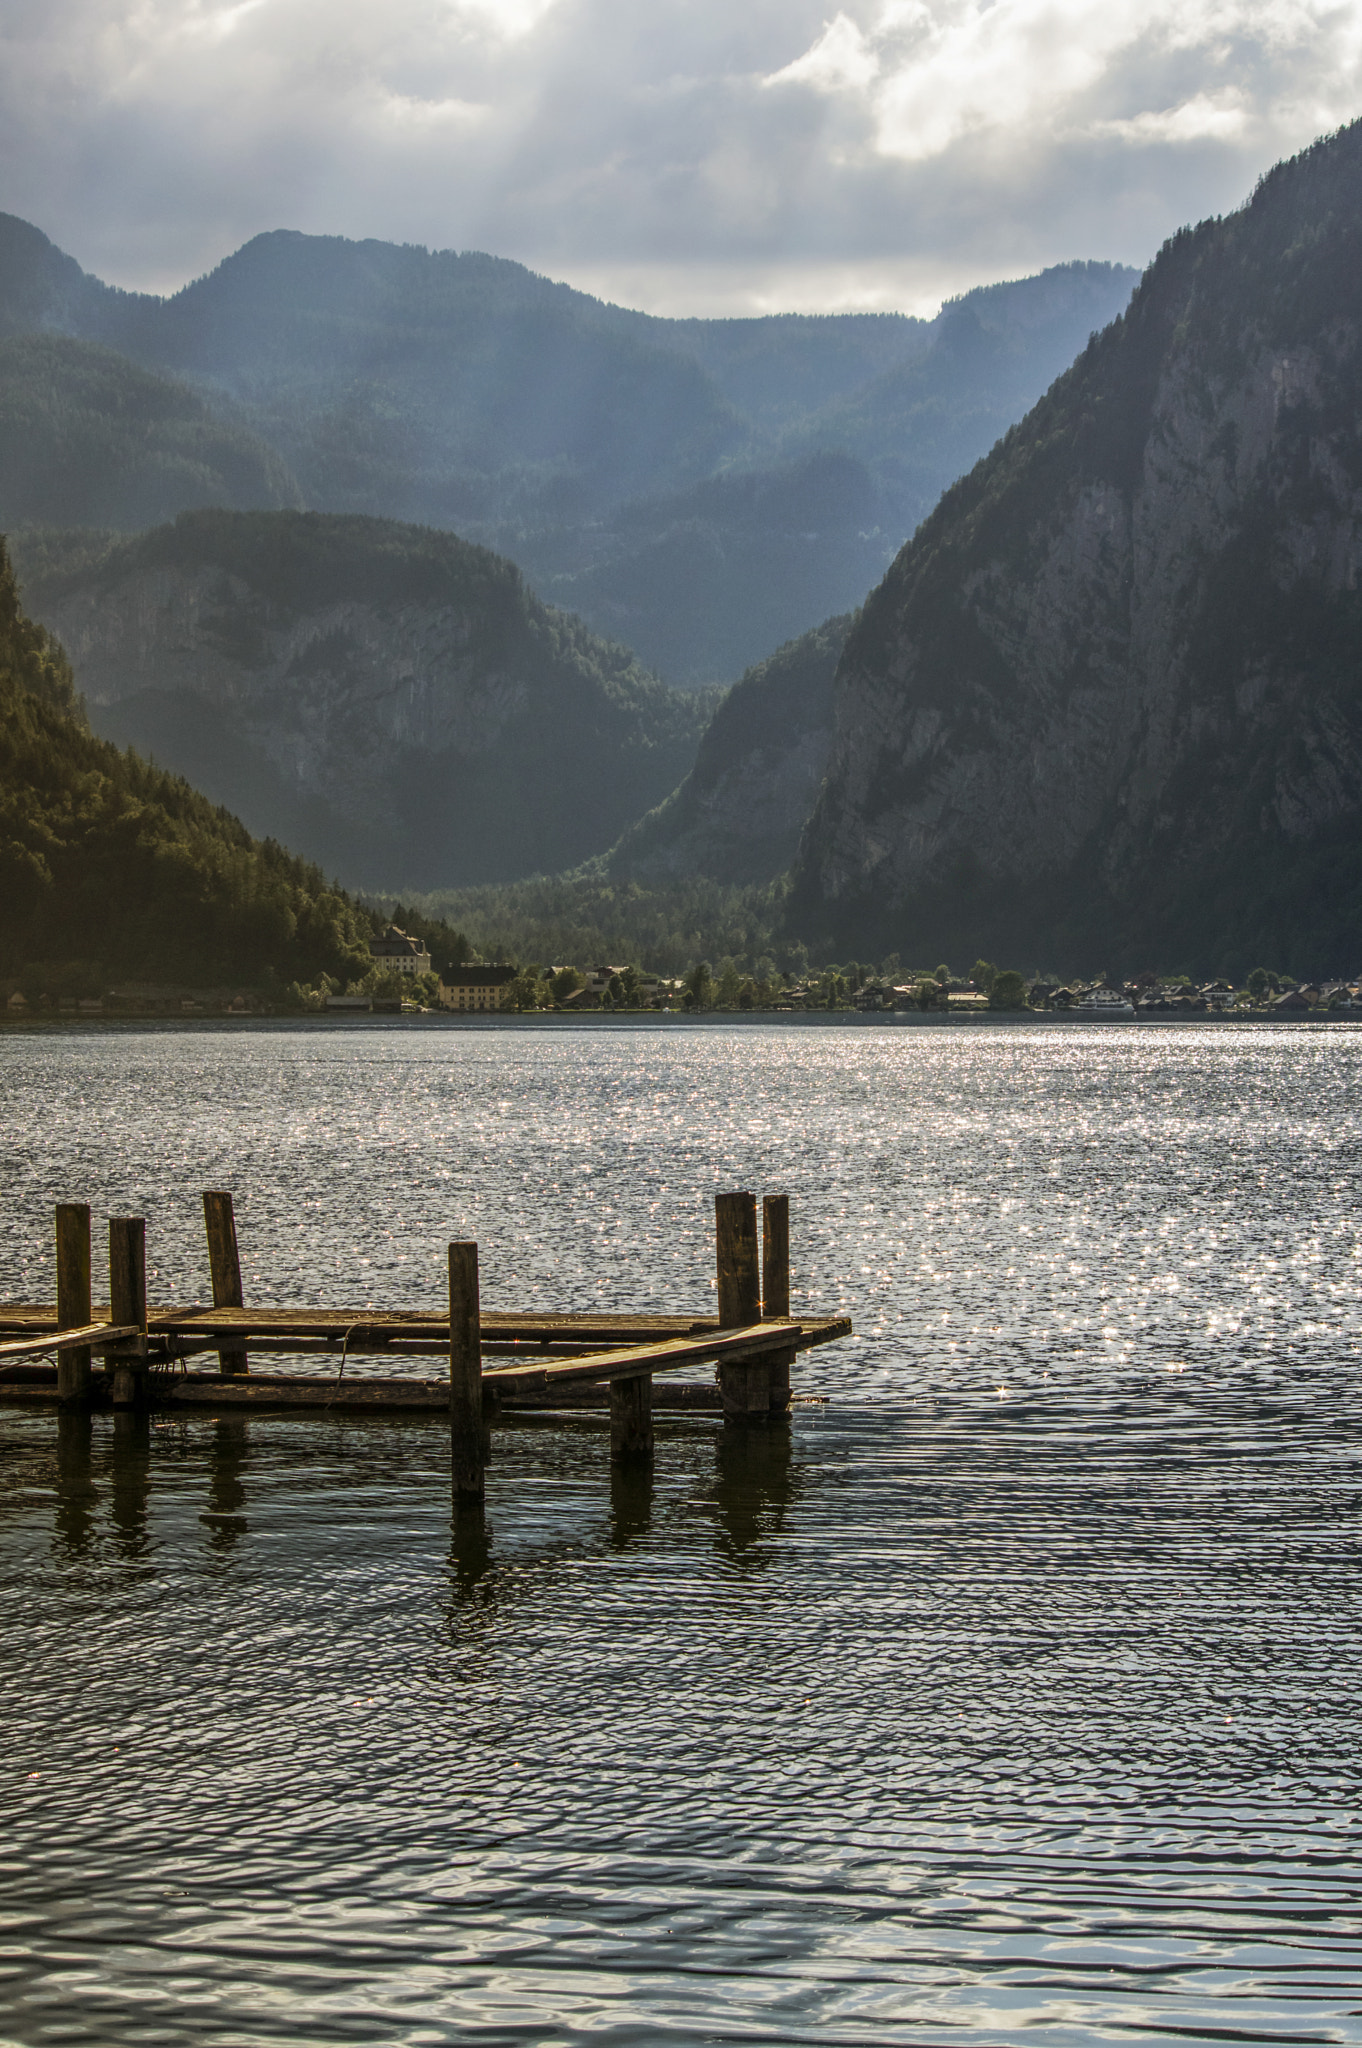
[(477, 988), (397, 953)]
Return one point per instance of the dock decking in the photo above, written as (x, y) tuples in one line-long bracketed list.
[(550, 1360)]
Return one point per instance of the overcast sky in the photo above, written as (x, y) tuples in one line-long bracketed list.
[(682, 155)]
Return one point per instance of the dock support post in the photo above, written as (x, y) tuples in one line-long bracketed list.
[(73, 1299), (631, 1420), (745, 1384), (128, 1304), (224, 1263), (775, 1289), (466, 1428)]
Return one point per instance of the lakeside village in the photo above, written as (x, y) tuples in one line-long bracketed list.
[(402, 980)]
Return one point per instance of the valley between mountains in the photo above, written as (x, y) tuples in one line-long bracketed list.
[(462, 605)]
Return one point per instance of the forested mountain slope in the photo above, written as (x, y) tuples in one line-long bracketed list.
[(87, 438), (702, 489), (738, 815), (1107, 705), (390, 700), (110, 867)]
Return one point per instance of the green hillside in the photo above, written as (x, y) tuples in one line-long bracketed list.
[(112, 868), (388, 699), (89, 439)]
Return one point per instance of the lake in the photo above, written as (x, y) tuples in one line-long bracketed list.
[(1011, 1692)]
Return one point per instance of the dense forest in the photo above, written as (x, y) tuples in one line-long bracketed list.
[(111, 868), (89, 439)]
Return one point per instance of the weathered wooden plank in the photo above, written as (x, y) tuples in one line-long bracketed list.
[(73, 1298), (631, 1420), (466, 1446), (224, 1266), (323, 1325), (775, 1256), (128, 1307), (745, 1381), (736, 1262), (756, 1338), (95, 1336), (775, 1289)]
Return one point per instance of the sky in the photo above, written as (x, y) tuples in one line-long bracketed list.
[(684, 156)]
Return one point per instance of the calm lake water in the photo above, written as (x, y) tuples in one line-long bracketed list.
[(1012, 1694)]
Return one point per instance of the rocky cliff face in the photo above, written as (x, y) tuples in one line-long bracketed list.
[(389, 701), (1107, 705), (738, 815)]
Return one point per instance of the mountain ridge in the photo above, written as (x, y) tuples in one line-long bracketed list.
[(1147, 594), (588, 442), (392, 701)]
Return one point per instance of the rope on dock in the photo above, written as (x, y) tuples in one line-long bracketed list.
[(345, 1346)]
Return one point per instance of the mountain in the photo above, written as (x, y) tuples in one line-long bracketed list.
[(390, 700), (649, 474), (1106, 707), (109, 866), (737, 816), (89, 439)]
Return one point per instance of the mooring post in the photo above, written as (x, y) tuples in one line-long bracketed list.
[(224, 1264), (128, 1305), (775, 1289), (466, 1430), (73, 1298), (745, 1384), (631, 1420)]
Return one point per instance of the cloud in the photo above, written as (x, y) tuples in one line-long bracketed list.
[(687, 155)]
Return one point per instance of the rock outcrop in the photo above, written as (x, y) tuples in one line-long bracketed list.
[(1107, 705), (390, 701), (738, 815)]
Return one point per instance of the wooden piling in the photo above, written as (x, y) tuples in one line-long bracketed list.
[(224, 1264), (631, 1420), (775, 1289), (745, 1384), (128, 1305), (73, 1298), (466, 1429)]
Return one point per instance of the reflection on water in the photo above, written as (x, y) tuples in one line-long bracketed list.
[(470, 1552), (1011, 1695), (130, 1473), (75, 1484), (631, 1503), (754, 1484), (227, 1487)]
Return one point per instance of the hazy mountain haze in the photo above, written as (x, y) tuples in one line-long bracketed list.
[(700, 489)]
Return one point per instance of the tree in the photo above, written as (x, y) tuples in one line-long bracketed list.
[(729, 984), (1008, 991), (565, 983), (983, 974), (631, 984), (526, 992), (614, 991), (1258, 983), (700, 986), (943, 975)]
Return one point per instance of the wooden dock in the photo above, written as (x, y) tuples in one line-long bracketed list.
[(524, 1359)]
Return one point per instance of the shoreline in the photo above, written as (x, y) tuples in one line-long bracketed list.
[(654, 1020)]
